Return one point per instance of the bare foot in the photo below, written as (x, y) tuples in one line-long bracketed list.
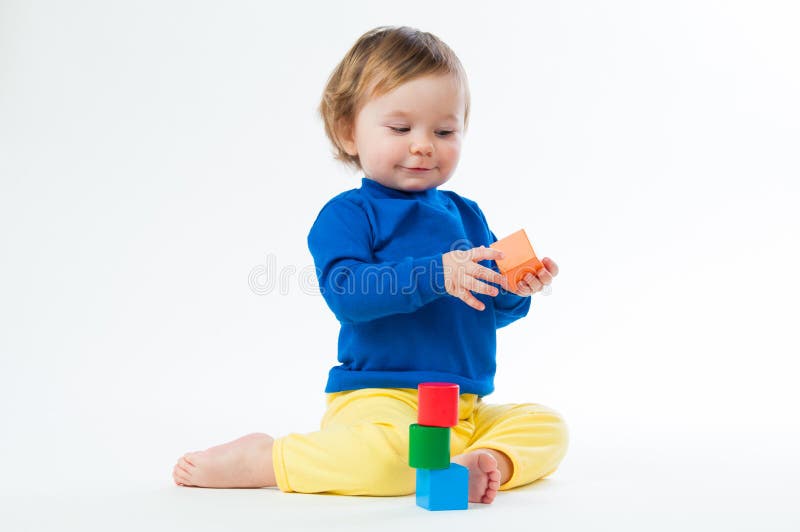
[(484, 475), (242, 463)]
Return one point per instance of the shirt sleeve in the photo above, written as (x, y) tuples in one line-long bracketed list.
[(353, 284)]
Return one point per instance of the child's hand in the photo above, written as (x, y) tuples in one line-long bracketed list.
[(530, 284), (461, 274)]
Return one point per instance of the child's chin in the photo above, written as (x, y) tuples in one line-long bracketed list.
[(419, 185)]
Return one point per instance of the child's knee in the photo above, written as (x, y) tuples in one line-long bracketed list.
[(552, 421), (541, 424)]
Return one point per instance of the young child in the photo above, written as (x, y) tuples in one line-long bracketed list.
[(398, 262)]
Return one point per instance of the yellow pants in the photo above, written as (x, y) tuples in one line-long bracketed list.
[(362, 446)]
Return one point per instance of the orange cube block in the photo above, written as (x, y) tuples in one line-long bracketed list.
[(519, 258)]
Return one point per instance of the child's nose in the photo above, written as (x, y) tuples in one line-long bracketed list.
[(422, 147)]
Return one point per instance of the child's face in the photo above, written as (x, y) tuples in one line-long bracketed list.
[(417, 125)]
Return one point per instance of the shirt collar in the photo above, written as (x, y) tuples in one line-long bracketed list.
[(380, 190)]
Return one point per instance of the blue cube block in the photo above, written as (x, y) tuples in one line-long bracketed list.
[(443, 489)]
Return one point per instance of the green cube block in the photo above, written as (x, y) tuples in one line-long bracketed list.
[(428, 447)]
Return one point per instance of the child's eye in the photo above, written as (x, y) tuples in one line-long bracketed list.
[(406, 130)]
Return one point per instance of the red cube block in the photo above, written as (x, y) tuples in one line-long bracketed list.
[(438, 404)]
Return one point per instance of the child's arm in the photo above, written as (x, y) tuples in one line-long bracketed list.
[(355, 287)]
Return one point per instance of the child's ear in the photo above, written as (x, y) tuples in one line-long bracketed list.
[(346, 138)]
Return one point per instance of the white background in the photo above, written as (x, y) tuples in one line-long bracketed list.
[(155, 155)]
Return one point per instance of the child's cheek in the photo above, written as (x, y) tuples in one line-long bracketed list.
[(452, 153), (393, 149)]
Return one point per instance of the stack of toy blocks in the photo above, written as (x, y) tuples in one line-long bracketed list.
[(519, 258), (440, 484)]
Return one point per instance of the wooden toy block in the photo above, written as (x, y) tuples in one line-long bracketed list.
[(438, 404), (428, 447), (443, 489), (519, 258)]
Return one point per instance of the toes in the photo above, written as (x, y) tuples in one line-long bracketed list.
[(189, 457), (489, 496), (494, 476), (179, 478), (183, 470), (186, 464), (494, 484), (487, 463)]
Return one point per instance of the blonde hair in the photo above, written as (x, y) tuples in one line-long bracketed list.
[(381, 60)]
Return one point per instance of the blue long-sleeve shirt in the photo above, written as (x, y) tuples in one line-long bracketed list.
[(378, 256)]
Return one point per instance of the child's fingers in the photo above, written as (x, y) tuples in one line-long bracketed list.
[(482, 272), (551, 266), (467, 297), (544, 276), (523, 289), (484, 253), (533, 282), (474, 285)]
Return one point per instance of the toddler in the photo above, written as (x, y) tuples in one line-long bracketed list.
[(399, 264)]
